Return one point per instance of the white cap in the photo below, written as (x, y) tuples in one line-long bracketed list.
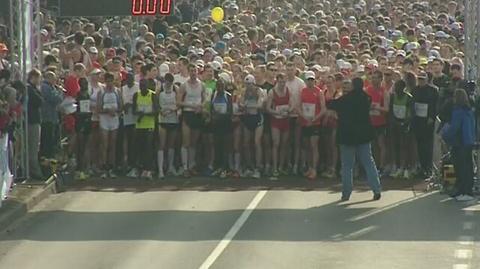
[(361, 68), (309, 75), (163, 69), (96, 71), (401, 53), (441, 34), (411, 46), (216, 66), (250, 79), (226, 77), (200, 63), (218, 59), (93, 50)]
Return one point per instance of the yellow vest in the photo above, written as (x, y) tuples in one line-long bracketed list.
[(145, 104)]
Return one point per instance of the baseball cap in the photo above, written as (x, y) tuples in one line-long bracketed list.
[(422, 74), (160, 36), (309, 75), (218, 59), (93, 50), (216, 66), (250, 79), (96, 71), (3, 47), (441, 34), (163, 69), (226, 77), (397, 33), (401, 53), (412, 46), (211, 50), (381, 28)]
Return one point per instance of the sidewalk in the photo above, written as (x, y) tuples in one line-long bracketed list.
[(23, 198)]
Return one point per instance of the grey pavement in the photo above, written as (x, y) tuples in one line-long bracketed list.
[(288, 229)]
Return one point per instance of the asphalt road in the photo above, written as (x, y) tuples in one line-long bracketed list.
[(168, 227)]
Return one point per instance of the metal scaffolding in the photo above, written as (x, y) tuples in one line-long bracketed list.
[(472, 41), (26, 47)]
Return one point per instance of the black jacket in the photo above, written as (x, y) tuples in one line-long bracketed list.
[(35, 102), (354, 126)]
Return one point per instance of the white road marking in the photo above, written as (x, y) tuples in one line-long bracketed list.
[(460, 266), (463, 254), (468, 225), (360, 232), (233, 231), (466, 240), (388, 207)]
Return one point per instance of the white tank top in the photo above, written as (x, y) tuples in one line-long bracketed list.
[(168, 101), (193, 94), (93, 100)]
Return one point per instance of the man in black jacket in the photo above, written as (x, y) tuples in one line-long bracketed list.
[(425, 98), (35, 102), (354, 134)]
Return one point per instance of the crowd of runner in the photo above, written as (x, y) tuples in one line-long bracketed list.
[(248, 97)]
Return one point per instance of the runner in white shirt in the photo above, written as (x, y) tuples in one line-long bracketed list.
[(191, 97), (95, 138), (295, 86), (168, 124), (109, 107), (129, 120)]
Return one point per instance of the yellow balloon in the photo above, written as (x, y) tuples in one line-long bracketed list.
[(217, 14)]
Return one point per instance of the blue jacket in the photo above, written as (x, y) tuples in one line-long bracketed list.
[(52, 98), (461, 129)]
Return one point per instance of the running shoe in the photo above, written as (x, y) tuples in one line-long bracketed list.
[(161, 175), (148, 175), (328, 174), (104, 175), (295, 170), (275, 175), (217, 172), (377, 196), (235, 174), (208, 172), (247, 173), (312, 175), (133, 173), (406, 174), (193, 172), (111, 174), (82, 176), (464, 198), (256, 174), (171, 172), (397, 174), (223, 174)]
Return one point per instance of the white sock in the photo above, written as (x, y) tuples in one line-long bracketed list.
[(191, 158), (184, 158), (160, 161), (237, 161), (171, 156)]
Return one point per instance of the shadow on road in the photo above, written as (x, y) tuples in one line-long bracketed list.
[(428, 218)]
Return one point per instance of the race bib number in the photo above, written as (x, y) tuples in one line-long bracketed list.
[(236, 109), (282, 110), (308, 110), (85, 106), (421, 110), (251, 106), (400, 112), (220, 108), (193, 100), (145, 108), (374, 112)]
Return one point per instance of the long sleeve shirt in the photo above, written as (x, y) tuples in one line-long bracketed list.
[(35, 102), (52, 98)]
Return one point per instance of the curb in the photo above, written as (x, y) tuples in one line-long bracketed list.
[(21, 208)]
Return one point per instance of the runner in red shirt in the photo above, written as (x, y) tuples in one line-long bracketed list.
[(378, 115), (311, 110), (279, 105)]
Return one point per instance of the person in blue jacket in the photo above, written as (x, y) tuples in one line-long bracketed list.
[(460, 135)]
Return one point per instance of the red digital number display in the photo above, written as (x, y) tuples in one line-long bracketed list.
[(151, 7)]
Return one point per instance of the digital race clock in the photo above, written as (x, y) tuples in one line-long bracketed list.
[(151, 7), (95, 8)]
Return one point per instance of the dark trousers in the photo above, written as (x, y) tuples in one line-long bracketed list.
[(424, 136), (220, 134), (144, 148), (49, 140), (463, 164), (129, 135)]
